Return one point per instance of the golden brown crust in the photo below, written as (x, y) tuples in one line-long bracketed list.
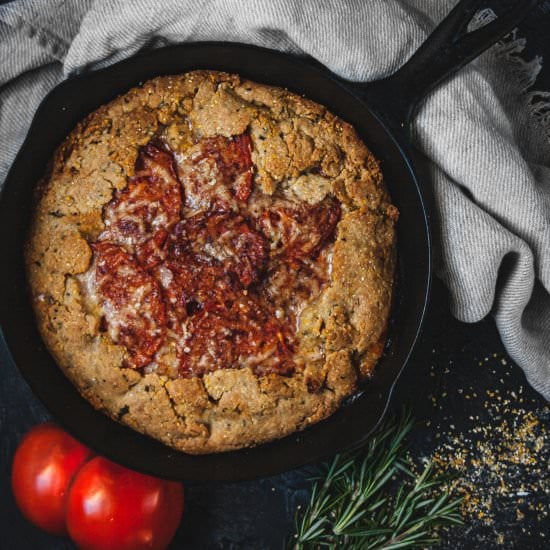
[(341, 333)]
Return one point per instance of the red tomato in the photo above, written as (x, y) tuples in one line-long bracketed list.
[(113, 508), (43, 467)]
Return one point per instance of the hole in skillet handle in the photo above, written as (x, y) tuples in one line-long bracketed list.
[(449, 48)]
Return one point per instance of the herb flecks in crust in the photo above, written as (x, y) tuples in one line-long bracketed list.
[(215, 257)]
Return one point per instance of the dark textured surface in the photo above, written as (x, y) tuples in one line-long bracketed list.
[(260, 514)]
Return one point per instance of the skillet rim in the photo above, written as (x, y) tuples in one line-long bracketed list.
[(246, 456)]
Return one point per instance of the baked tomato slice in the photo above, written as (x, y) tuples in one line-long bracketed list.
[(299, 231), (225, 239), (237, 333), (134, 310), (210, 257), (217, 173), (139, 216)]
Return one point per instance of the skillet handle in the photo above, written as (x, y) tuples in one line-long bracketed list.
[(449, 48)]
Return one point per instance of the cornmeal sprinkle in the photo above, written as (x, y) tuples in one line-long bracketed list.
[(500, 465)]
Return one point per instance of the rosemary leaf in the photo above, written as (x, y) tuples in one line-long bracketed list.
[(370, 499)]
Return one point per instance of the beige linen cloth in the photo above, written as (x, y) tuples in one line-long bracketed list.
[(487, 139)]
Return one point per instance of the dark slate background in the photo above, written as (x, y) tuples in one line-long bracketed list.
[(260, 514)]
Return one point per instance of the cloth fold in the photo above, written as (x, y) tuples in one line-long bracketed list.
[(488, 152)]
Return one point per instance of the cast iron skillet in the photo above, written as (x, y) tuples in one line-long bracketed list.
[(379, 111)]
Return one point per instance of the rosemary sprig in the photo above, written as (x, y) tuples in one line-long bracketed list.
[(370, 499)]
